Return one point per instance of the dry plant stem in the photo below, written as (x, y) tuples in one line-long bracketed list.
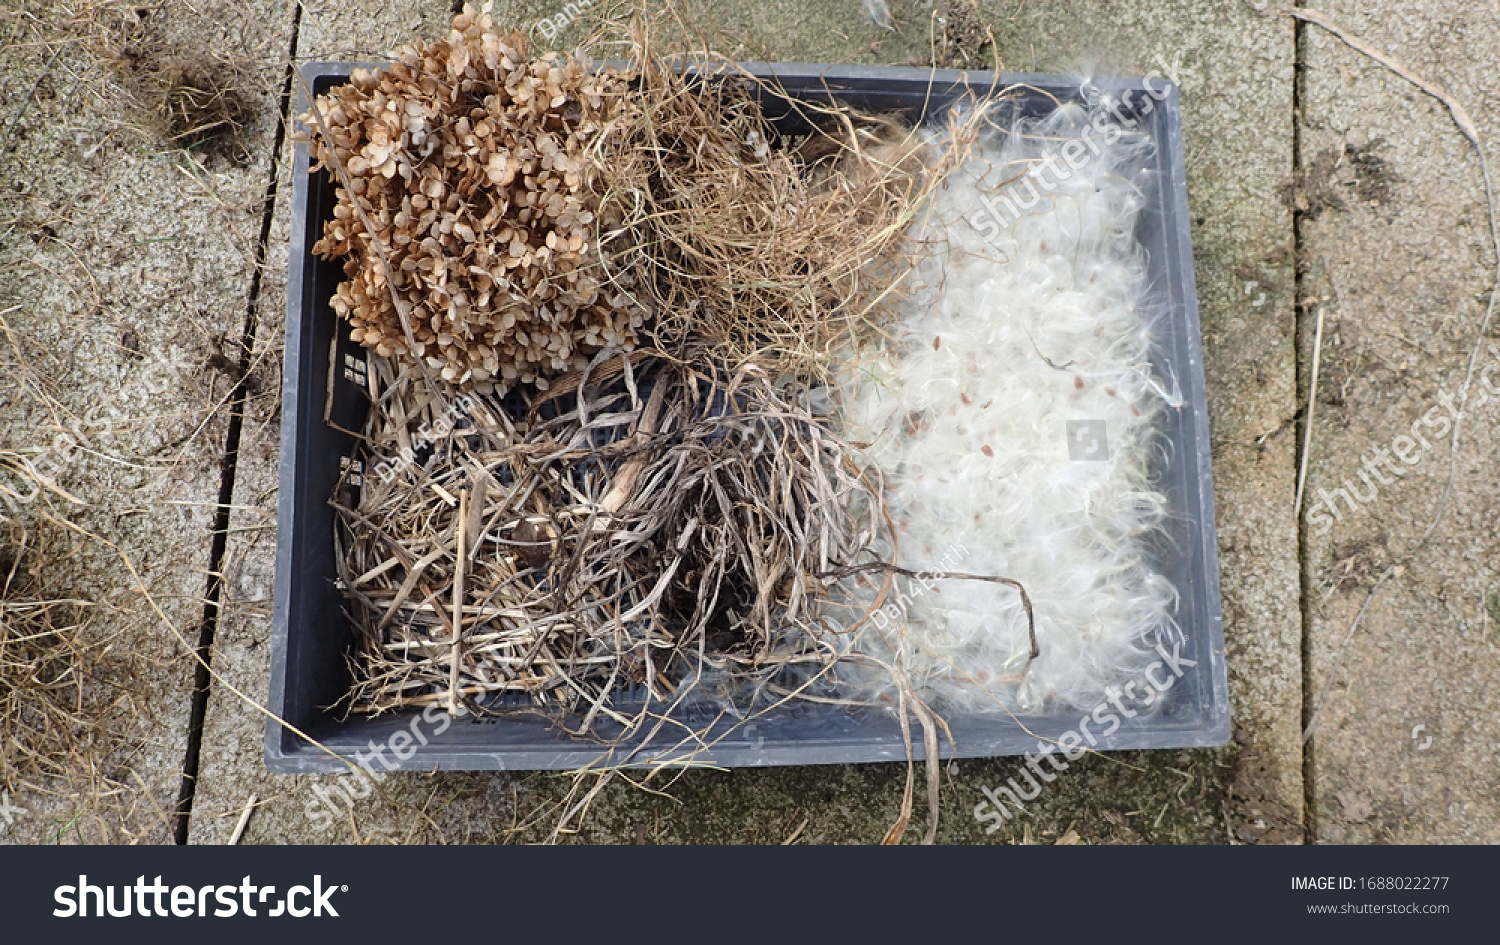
[(625, 483), (456, 654), (1455, 108), (905, 692), (244, 821), (27, 471), (1312, 399), (1036, 649), (903, 817), (934, 769)]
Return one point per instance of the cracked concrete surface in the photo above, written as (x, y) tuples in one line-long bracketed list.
[(126, 268), (1407, 743)]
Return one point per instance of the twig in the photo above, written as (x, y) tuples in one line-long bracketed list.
[(1307, 432), (792, 837), (239, 827), (1460, 115), (459, 568)]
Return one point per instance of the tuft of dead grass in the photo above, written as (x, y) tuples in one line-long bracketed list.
[(748, 245), (41, 650), (189, 97), (646, 524), (68, 688)]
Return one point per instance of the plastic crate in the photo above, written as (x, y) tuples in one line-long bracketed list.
[(311, 635)]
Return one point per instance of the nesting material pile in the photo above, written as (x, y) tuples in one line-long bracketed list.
[(470, 161), (657, 524), (659, 488), (752, 246), (1014, 415), (645, 535)]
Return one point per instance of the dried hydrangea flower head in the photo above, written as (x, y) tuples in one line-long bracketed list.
[(469, 160)]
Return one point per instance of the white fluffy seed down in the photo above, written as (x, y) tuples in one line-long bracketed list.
[(1013, 331)]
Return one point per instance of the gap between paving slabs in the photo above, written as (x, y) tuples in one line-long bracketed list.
[(243, 370), (1302, 428)]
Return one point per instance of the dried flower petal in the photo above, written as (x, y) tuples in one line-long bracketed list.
[(487, 214)]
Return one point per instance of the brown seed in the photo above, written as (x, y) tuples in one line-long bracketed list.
[(1078, 382), (965, 399), (936, 343), (987, 451), (538, 545)]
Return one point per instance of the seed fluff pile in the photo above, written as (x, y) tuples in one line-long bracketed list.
[(1013, 414)]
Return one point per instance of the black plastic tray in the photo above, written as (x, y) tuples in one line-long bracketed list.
[(311, 636)]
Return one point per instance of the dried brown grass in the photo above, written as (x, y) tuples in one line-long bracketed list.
[(648, 524), (70, 689), (747, 245), (188, 96)]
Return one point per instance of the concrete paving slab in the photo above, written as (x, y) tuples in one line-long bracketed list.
[(1397, 244), (126, 265)]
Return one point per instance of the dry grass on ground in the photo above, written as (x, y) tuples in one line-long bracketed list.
[(71, 689)]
